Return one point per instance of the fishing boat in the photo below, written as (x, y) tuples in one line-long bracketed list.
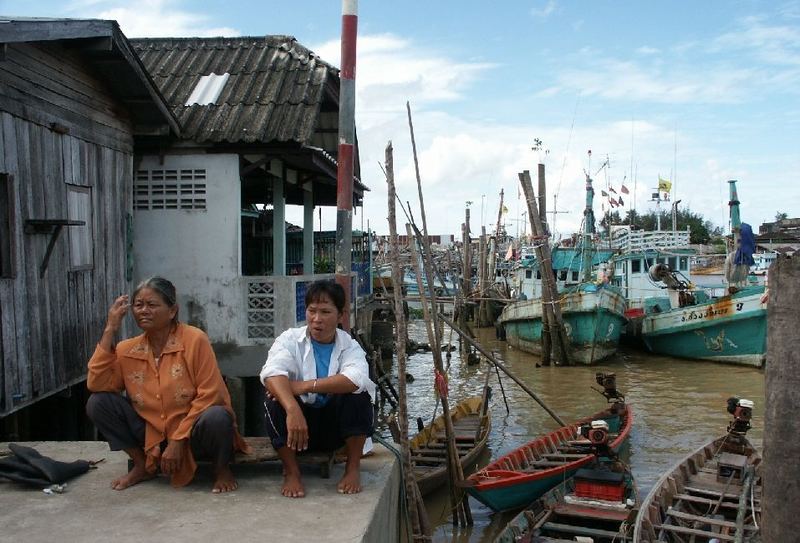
[(471, 425), (714, 494), (598, 503), (592, 309), (526, 473), (690, 323)]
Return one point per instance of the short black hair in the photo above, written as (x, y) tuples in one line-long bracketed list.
[(326, 287)]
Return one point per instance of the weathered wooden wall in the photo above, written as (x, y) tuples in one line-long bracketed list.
[(49, 325)]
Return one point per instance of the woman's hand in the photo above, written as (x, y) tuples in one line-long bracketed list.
[(297, 430), (172, 457), (117, 312)]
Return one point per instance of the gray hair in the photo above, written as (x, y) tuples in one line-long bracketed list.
[(163, 287)]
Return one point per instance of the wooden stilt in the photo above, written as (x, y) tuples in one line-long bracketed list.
[(419, 519)]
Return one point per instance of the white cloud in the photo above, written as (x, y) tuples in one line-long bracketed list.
[(630, 80), (772, 44), (645, 50), (544, 11), (151, 18)]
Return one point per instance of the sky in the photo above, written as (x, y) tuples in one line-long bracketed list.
[(694, 92)]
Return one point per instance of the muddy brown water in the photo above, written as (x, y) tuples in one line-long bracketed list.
[(678, 405)]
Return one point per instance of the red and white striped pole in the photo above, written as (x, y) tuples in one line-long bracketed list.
[(347, 138)]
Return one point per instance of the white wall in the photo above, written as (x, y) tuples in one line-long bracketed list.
[(197, 249)]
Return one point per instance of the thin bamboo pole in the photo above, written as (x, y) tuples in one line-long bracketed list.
[(461, 504), (419, 519), (491, 359)]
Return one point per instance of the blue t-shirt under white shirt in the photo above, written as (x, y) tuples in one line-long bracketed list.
[(322, 358)]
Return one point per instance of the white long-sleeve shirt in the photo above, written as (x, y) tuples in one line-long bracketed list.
[(292, 355)]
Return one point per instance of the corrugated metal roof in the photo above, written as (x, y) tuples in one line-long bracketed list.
[(274, 92)]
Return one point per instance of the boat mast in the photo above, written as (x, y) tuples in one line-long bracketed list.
[(588, 231), (733, 203)]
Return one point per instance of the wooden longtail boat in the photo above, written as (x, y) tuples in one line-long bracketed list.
[(471, 423), (523, 475), (598, 503), (712, 494)]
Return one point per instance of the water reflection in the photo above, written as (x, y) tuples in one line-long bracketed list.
[(678, 405)]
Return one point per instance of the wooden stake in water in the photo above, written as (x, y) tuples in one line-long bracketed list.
[(416, 507)]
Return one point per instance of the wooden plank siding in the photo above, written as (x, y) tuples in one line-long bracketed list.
[(50, 325)]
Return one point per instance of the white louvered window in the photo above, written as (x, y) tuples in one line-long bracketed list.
[(170, 189), (79, 208)]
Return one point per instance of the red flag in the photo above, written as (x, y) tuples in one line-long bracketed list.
[(613, 202), (611, 189), (624, 189)]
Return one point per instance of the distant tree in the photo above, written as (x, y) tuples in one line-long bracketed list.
[(779, 216)]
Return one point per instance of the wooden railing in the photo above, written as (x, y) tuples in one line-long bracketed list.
[(640, 240)]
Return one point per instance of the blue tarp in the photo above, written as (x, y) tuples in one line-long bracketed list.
[(747, 246)]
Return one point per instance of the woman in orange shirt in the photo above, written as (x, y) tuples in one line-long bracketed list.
[(177, 406)]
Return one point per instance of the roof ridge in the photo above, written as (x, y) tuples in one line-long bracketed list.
[(285, 42)]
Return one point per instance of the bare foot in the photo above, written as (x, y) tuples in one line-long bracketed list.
[(224, 481), (351, 482), (134, 476), (293, 486)]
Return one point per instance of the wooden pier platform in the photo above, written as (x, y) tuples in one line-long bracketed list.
[(90, 511)]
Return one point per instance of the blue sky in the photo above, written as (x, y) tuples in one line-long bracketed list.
[(700, 92)]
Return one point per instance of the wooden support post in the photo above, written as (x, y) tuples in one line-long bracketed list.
[(416, 508), (781, 423), (482, 295), (550, 303)]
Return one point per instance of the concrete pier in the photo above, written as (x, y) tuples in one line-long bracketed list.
[(90, 511)]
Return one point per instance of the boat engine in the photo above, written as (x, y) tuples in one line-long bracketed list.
[(742, 411), (596, 432), (609, 383), (662, 272)]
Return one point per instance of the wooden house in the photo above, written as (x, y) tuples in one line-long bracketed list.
[(75, 101)]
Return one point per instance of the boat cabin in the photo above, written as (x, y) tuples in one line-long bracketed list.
[(567, 268)]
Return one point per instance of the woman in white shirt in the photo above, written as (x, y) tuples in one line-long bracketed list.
[(319, 394)]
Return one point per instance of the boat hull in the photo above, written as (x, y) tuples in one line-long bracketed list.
[(470, 417), (729, 329), (690, 481), (507, 484), (593, 322)]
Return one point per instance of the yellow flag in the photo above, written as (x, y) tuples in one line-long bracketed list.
[(505, 210), (664, 185)]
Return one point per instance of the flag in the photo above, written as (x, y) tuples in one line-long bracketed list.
[(604, 193), (612, 202), (624, 190), (510, 252), (611, 189), (664, 185), (505, 210), (619, 200)]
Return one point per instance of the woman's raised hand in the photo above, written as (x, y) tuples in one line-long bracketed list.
[(117, 312)]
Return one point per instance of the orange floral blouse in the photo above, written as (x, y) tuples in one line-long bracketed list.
[(169, 397)]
